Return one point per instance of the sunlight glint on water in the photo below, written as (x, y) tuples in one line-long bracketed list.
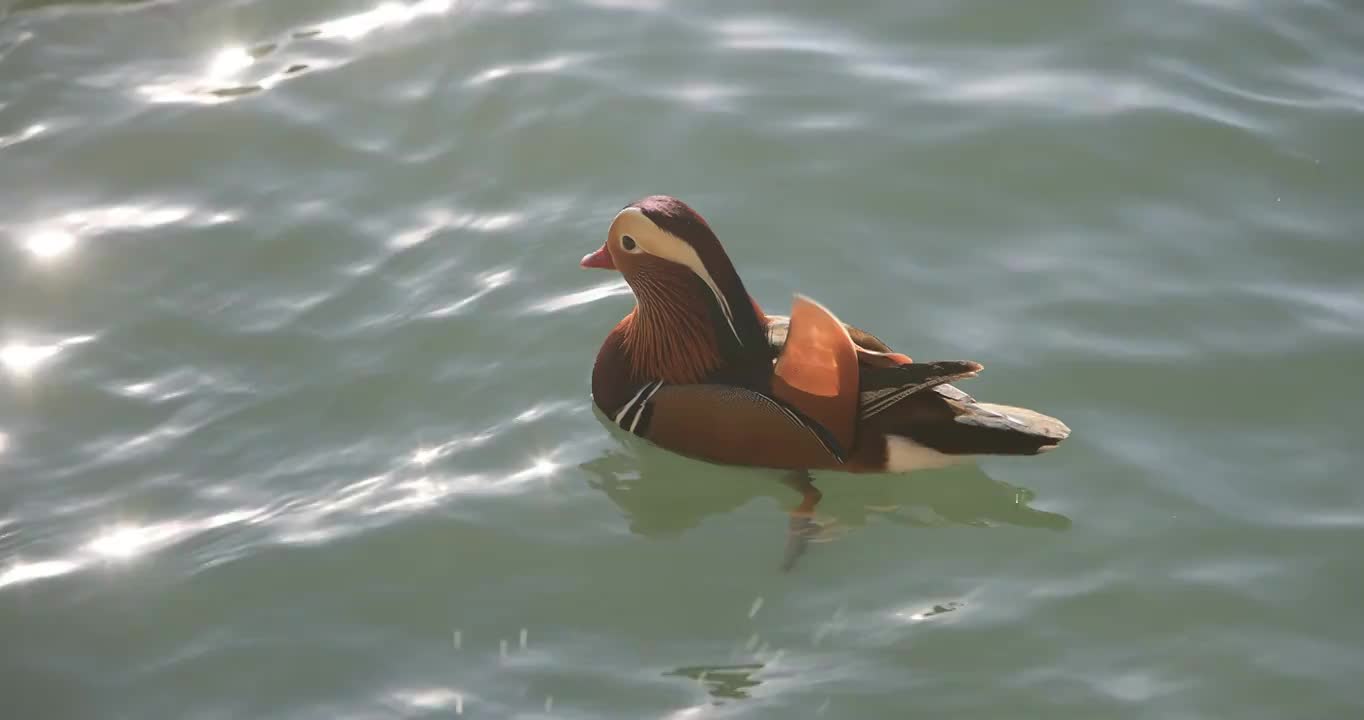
[(23, 359), (228, 62), (49, 245), (21, 572), (385, 15)]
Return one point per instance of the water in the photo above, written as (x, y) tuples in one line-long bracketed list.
[(294, 354)]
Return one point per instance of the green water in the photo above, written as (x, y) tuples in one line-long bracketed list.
[(294, 356)]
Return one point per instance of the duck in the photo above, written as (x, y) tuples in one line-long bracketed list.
[(698, 368)]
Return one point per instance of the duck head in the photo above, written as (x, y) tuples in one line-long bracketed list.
[(689, 299)]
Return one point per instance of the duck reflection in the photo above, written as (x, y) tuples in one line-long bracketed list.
[(663, 495)]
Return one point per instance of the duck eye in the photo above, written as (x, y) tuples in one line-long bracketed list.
[(628, 243)]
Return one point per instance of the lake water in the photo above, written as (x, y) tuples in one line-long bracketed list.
[(294, 357)]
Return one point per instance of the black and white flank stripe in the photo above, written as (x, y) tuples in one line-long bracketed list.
[(634, 415)]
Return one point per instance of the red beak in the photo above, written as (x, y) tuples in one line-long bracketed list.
[(600, 259)]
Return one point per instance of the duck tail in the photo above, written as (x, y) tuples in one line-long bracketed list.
[(991, 429)]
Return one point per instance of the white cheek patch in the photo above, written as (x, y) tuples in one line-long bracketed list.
[(655, 241)]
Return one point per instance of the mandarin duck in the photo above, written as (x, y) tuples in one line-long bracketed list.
[(699, 369)]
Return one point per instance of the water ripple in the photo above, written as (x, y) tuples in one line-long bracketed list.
[(28, 133), (427, 699), (234, 71), (386, 15), (23, 358), (295, 355), (550, 65), (446, 219), (123, 541), (766, 34), (20, 572), (557, 303), (487, 282), (224, 78), (55, 238)]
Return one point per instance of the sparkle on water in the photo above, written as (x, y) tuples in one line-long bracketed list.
[(128, 541), (430, 699), (128, 216), (233, 71), (22, 572), (542, 67), (385, 15), (23, 359), (228, 63), (58, 236), (28, 133), (50, 244), (425, 456), (540, 468), (219, 82), (534, 413), (565, 301), (443, 219), (487, 282), (124, 540)]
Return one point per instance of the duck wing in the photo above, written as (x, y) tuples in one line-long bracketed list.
[(817, 371), (779, 326), (927, 406), (882, 387)]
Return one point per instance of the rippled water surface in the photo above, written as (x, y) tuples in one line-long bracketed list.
[(294, 355)]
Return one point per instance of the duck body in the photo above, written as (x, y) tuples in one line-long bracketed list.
[(698, 368)]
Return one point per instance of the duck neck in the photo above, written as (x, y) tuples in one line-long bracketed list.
[(678, 334)]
